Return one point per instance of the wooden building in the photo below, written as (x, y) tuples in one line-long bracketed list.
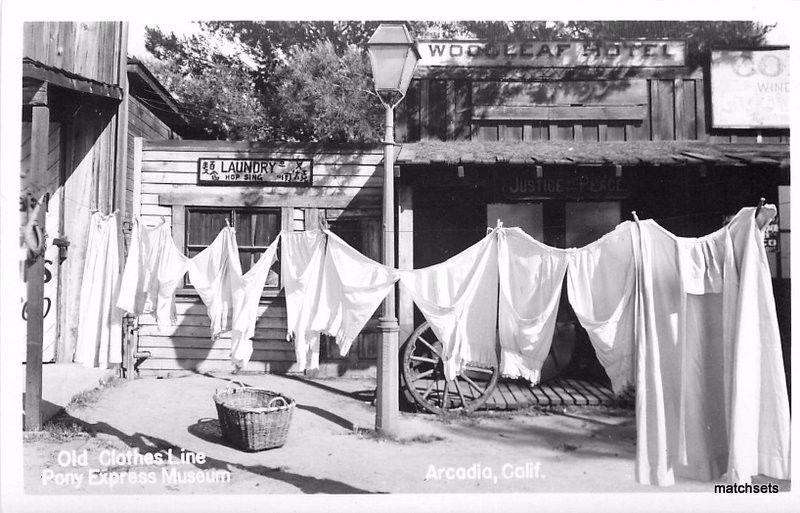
[(84, 103), (562, 141), (565, 139), (342, 190)]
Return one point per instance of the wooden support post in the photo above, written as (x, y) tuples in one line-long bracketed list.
[(34, 273), (405, 257)]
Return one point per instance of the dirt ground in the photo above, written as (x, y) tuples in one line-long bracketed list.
[(331, 446)]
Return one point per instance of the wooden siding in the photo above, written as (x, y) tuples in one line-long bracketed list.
[(143, 123), (346, 184), (639, 108), (88, 49)]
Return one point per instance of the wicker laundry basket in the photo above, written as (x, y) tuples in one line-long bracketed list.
[(253, 419)]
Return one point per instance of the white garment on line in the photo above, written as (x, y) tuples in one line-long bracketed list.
[(302, 259), (216, 274), (245, 305), (531, 277), (601, 286), (458, 297), (99, 340), (759, 404), (153, 270), (352, 288), (706, 334)]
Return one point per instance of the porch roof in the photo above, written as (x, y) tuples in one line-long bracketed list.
[(627, 153)]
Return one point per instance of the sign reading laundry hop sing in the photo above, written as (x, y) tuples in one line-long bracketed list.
[(274, 172)]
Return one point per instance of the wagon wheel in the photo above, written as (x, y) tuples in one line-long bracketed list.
[(425, 383)]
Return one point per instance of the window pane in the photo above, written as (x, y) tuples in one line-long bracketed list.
[(266, 228), (273, 280), (244, 228), (205, 225), (245, 258)]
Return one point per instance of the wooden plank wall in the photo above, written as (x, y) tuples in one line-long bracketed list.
[(671, 109), (89, 49), (89, 156), (346, 184), (143, 123)]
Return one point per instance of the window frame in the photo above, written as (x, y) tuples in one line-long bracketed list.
[(233, 215)]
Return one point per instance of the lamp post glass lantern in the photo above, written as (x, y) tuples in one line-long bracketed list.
[(393, 57)]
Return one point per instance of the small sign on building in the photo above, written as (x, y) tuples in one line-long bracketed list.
[(750, 88), (267, 172)]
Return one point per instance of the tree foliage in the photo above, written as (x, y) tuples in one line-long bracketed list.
[(310, 80)]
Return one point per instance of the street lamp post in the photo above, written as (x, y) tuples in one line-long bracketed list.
[(393, 56)]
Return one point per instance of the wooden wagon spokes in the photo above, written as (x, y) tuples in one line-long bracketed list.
[(424, 381)]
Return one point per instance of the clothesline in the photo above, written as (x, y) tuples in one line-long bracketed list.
[(691, 322)]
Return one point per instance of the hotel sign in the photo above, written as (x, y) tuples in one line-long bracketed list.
[(275, 172), (543, 54)]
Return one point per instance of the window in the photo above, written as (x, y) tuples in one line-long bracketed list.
[(255, 230)]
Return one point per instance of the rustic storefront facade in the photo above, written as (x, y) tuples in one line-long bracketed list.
[(562, 139)]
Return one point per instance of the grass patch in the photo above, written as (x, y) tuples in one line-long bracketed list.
[(61, 428), (565, 447), (371, 434), (89, 397)]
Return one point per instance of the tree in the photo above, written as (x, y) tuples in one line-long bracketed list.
[(310, 80), (217, 90), (323, 96)]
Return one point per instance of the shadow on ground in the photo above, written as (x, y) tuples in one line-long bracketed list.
[(208, 430)]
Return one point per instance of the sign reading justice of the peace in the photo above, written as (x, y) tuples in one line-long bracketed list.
[(286, 172), (582, 186), (552, 54)]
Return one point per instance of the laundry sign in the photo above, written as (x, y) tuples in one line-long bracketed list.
[(273, 172), (654, 53)]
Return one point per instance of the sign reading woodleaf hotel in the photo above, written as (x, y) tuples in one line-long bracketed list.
[(286, 172), (552, 54)]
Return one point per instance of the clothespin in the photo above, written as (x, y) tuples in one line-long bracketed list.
[(163, 220), (499, 225), (227, 223), (761, 202), (635, 217)]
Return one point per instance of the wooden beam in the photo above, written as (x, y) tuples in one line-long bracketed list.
[(330, 197), (179, 226), (137, 176), (559, 112), (34, 273), (37, 71)]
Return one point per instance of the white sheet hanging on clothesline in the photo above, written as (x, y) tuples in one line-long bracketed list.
[(99, 338), (246, 298), (458, 297), (302, 259), (216, 274), (601, 286), (711, 393), (352, 288), (153, 271), (531, 277)]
